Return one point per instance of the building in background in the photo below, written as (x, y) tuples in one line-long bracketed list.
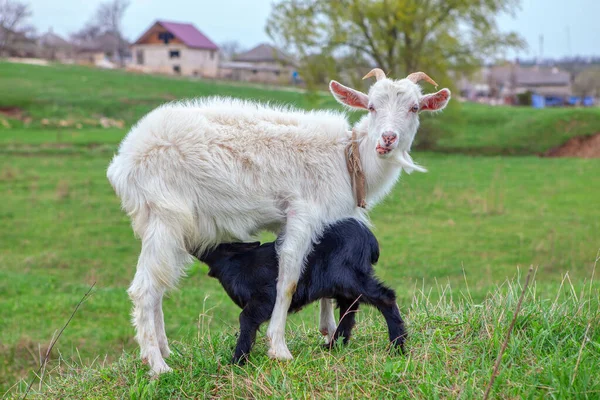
[(17, 44), (264, 63), (54, 47), (175, 48), (513, 84), (105, 51)]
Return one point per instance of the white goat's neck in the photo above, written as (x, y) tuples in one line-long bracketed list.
[(380, 173)]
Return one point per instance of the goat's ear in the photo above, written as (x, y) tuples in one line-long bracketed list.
[(349, 97), (435, 101)]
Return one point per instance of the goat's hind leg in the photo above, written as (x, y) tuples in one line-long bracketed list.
[(348, 310), (159, 324), (327, 320), (384, 299), (160, 264)]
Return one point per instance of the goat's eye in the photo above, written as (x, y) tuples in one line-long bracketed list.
[(414, 108), (371, 108)]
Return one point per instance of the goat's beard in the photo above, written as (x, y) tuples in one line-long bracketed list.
[(406, 162)]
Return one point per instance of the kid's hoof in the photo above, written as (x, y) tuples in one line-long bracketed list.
[(239, 360)]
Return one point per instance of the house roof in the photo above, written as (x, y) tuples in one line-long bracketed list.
[(532, 76), (187, 33), (263, 53), (50, 39), (543, 77)]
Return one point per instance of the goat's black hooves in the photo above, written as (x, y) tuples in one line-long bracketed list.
[(397, 348), (327, 346), (239, 360), (331, 345)]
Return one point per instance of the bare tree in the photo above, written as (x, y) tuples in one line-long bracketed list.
[(230, 49), (90, 31), (13, 23), (587, 83), (108, 19)]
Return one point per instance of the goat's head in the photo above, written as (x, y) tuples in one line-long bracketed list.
[(393, 107)]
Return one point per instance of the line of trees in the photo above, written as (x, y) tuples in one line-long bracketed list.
[(14, 23), (107, 19), (399, 36)]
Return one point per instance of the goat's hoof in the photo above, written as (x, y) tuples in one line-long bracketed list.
[(397, 348), (328, 333), (161, 368), (328, 346), (335, 343), (239, 360), (282, 354)]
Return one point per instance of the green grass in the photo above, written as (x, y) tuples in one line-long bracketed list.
[(79, 95), (470, 219), (482, 129), (74, 95), (63, 230)]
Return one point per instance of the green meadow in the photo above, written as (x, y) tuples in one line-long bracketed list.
[(456, 244)]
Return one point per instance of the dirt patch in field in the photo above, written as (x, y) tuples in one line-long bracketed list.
[(579, 146), (11, 112)]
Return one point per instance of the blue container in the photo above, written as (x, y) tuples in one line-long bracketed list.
[(538, 101)]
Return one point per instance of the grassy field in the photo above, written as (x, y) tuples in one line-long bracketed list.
[(70, 98), (454, 242)]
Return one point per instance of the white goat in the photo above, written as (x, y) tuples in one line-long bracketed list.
[(193, 175)]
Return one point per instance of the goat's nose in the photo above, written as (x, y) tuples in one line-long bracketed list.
[(389, 137)]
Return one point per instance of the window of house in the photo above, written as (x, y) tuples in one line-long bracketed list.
[(254, 71), (139, 55), (174, 54), (277, 73), (212, 55), (165, 37), (177, 69)]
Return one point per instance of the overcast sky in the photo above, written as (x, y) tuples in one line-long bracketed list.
[(244, 21)]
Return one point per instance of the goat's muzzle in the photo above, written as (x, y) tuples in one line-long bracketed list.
[(387, 143)]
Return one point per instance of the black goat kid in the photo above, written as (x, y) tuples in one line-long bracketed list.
[(339, 267)]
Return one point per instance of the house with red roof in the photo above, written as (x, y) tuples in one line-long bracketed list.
[(176, 48)]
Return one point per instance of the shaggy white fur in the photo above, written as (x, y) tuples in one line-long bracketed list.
[(195, 174)]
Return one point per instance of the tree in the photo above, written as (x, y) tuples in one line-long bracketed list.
[(229, 49), (13, 23), (89, 32), (399, 36), (587, 83), (107, 19)]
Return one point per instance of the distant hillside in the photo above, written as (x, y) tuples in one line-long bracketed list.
[(72, 98)]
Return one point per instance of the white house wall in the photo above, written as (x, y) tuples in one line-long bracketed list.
[(191, 62)]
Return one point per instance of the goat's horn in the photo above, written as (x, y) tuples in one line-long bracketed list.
[(417, 76), (377, 73)]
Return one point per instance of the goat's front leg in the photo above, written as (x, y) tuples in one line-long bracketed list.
[(300, 231), (327, 321), (252, 316)]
